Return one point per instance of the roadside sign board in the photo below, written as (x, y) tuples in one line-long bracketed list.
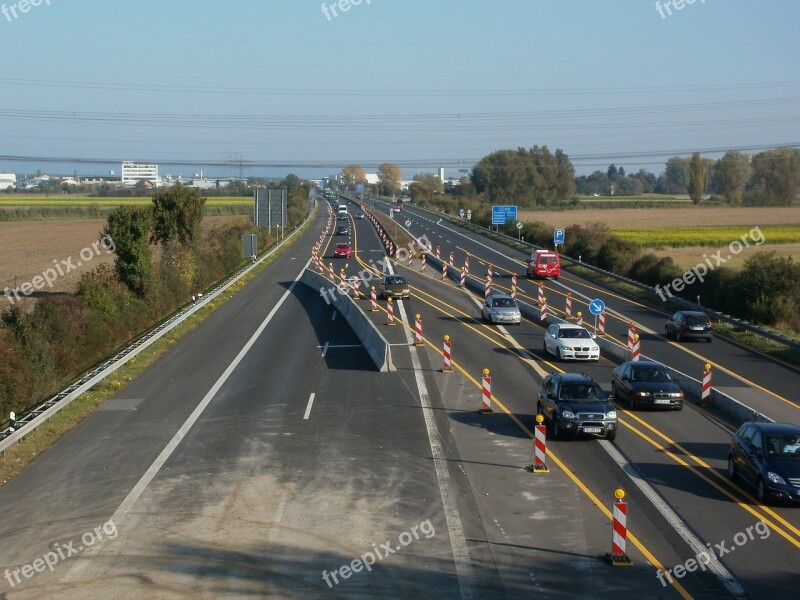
[(504, 214), (597, 306), (558, 236), (461, 212)]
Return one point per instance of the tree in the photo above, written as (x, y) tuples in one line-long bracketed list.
[(425, 186), (675, 178), (352, 175), (776, 176), (697, 178), (389, 177), (129, 227), (527, 177), (612, 171), (730, 176), (177, 213)]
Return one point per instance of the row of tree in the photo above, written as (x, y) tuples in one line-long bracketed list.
[(767, 178), (538, 177)]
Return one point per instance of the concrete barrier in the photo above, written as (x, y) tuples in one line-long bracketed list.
[(376, 345)]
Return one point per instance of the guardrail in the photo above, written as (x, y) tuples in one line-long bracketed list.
[(32, 419), (722, 317)]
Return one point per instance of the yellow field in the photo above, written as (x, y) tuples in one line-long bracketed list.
[(679, 216), (78, 201)]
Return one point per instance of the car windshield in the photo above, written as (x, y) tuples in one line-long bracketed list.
[(784, 446), (650, 374), (395, 280), (573, 333), (583, 392), (504, 302)]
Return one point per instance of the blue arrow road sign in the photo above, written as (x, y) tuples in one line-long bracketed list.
[(597, 306), (558, 236)]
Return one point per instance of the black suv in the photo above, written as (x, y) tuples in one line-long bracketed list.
[(343, 230), (767, 456), (689, 325), (574, 403)]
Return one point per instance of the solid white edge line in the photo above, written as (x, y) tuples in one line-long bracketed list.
[(308, 407), (120, 515), (681, 528), (455, 527)]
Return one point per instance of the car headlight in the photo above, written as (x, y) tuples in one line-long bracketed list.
[(611, 415), (568, 414), (775, 478), (643, 394)]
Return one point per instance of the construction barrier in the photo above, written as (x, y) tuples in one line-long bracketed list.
[(444, 270), (418, 331), (580, 318), (513, 286), (488, 289), (389, 312), (568, 308), (705, 391), (463, 277), (601, 323), (438, 253), (539, 464), (631, 336), (540, 298), (447, 348), (422, 267), (486, 394), (619, 531), (542, 310), (635, 351), (374, 300)]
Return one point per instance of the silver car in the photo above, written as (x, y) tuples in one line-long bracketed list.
[(501, 308)]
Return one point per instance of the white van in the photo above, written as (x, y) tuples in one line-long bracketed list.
[(342, 212)]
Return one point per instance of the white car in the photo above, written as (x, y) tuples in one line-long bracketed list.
[(501, 308), (568, 341)]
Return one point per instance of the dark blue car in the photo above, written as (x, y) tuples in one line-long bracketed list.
[(767, 457)]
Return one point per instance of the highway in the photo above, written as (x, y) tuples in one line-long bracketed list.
[(265, 456)]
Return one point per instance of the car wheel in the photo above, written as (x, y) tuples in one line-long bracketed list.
[(761, 490), (632, 401), (544, 348), (666, 332), (731, 469), (611, 435), (556, 429), (677, 335), (558, 355)]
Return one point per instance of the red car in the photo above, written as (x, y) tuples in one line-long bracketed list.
[(343, 250)]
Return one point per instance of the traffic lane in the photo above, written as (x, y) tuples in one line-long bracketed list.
[(258, 499), (91, 468), (675, 423), (779, 377), (495, 451), (764, 561)]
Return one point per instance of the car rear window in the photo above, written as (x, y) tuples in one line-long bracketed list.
[(696, 320)]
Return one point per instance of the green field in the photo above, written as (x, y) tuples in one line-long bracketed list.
[(657, 237)]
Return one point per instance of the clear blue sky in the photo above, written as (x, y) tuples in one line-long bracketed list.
[(417, 82)]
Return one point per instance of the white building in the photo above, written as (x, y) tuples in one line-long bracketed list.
[(8, 180), (133, 172)]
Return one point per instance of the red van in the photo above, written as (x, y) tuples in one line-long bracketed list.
[(544, 263)]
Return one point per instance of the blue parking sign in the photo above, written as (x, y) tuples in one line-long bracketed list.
[(558, 236)]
